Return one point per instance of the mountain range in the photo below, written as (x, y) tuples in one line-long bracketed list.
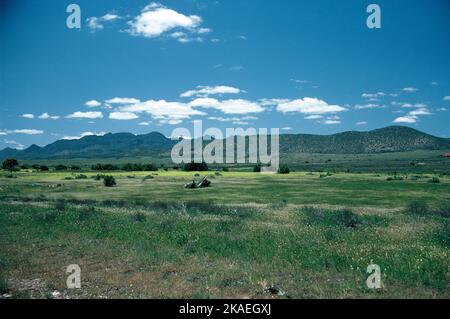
[(389, 139)]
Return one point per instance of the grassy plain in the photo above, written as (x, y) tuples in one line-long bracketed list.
[(151, 238)]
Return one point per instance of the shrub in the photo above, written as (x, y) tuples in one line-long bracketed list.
[(434, 180), (195, 167), (225, 169), (75, 168), (61, 167), (418, 208), (104, 167), (139, 217), (109, 181), (284, 169), (3, 286), (81, 176), (348, 219), (60, 205), (43, 168), (151, 168), (10, 164), (148, 177), (99, 177), (257, 168)]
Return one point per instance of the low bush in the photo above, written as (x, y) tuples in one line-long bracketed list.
[(418, 208), (4, 288), (60, 204), (109, 181), (284, 169), (139, 217), (434, 180)]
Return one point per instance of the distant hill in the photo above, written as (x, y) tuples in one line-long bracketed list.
[(389, 139)]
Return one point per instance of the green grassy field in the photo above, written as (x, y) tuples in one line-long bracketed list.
[(151, 238)]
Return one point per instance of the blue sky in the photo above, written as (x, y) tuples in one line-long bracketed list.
[(141, 66)]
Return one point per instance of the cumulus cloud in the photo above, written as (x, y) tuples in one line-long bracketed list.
[(410, 89), (233, 119), (369, 106), (413, 116), (331, 122), (93, 103), (446, 98), (163, 110), (27, 116), (421, 111), (122, 100), (156, 20), (373, 95), (124, 116), (97, 23), (237, 106), (14, 144), (406, 119), (46, 116), (84, 134), (85, 115), (22, 131), (361, 123), (309, 105), (205, 91), (313, 117)]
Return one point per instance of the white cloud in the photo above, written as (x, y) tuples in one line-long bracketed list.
[(442, 109), (85, 115), (163, 109), (14, 144), (420, 111), (27, 116), (156, 20), (205, 91), (446, 98), (23, 131), (410, 89), (234, 120), (332, 122), (434, 83), (145, 123), (272, 102), (93, 103), (406, 119), (124, 116), (368, 106), (361, 123), (287, 128), (409, 105), (237, 106), (83, 135), (46, 116), (309, 105), (313, 117), (97, 23), (122, 100), (373, 95)]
